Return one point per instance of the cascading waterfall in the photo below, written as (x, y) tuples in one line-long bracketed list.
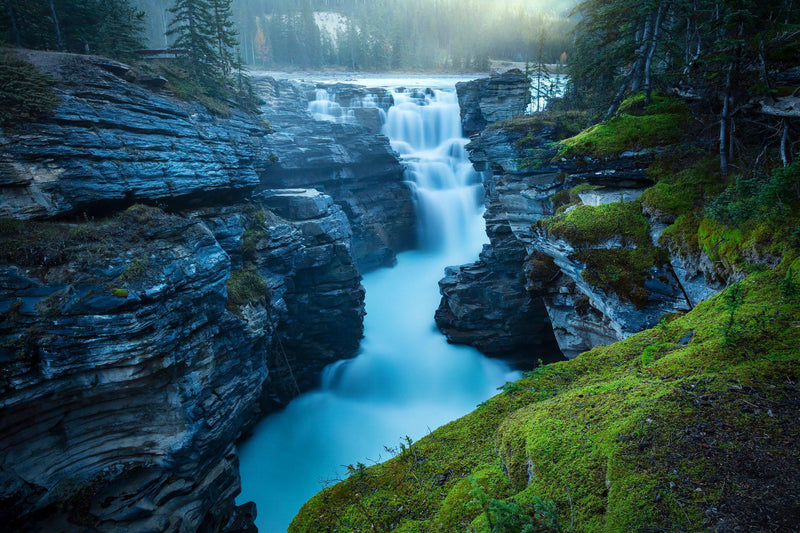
[(406, 379)]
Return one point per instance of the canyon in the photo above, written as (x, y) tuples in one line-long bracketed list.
[(170, 276)]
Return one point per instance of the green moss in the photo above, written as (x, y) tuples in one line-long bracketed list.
[(245, 287), (134, 269), (120, 293), (622, 271), (587, 225), (663, 124), (646, 434), (682, 191)]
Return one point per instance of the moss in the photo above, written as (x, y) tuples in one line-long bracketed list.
[(645, 434), (663, 124), (682, 191), (587, 225), (120, 293), (245, 287), (622, 271), (134, 269)]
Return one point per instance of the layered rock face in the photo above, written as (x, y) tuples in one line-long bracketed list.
[(525, 179), (112, 142), (137, 345), (486, 101), (136, 355), (347, 161)]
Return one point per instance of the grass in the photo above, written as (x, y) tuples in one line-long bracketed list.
[(663, 123), (641, 435), (245, 287), (588, 225)]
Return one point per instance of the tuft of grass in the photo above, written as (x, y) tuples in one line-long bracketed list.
[(245, 287)]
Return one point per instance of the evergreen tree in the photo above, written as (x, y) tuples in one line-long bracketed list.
[(195, 42), (224, 32)]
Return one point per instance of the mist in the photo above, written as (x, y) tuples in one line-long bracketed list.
[(388, 35)]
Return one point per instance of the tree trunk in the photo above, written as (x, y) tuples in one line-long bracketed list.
[(724, 125), (59, 42), (650, 53), (785, 157), (13, 17), (641, 53)]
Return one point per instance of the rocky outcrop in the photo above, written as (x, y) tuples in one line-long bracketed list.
[(117, 138), (137, 347), (113, 142), (487, 101), (199, 322), (526, 178), (351, 164)]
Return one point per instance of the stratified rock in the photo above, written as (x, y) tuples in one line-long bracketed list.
[(124, 379), (128, 366), (486, 101), (357, 168), (112, 142)]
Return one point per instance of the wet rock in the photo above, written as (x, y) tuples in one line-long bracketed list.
[(490, 100), (358, 169)]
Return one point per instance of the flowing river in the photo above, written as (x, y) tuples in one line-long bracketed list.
[(406, 380)]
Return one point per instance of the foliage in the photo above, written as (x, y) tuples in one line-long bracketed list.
[(25, 92), (107, 27), (245, 287), (775, 195)]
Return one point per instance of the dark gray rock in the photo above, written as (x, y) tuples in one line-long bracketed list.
[(486, 101), (358, 169)]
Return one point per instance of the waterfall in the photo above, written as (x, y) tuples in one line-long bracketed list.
[(406, 380), (425, 129)]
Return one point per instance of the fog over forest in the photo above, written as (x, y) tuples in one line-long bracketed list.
[(381, 35)]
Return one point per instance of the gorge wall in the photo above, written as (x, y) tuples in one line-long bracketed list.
[(168, 276), (540, 272)]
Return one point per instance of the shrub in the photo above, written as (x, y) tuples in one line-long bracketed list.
[(25, 92)]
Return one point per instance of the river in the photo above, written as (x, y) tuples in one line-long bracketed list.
[(406, 379)]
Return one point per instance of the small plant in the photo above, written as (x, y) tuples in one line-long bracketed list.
[(134, 269), (245, 287), (733, 300), (508, 516)]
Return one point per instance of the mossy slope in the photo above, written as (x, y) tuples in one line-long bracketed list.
[(679, 428)]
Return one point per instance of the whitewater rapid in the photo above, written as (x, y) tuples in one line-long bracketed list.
[(406, 380)]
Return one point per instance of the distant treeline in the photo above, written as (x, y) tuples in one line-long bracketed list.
[(388, 34)]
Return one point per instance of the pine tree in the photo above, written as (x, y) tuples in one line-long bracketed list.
[(224, 33), (193, 28)]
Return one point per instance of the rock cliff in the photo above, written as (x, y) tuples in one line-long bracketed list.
[(486, 101), (139, 342), (557, 268), (345, 160)]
